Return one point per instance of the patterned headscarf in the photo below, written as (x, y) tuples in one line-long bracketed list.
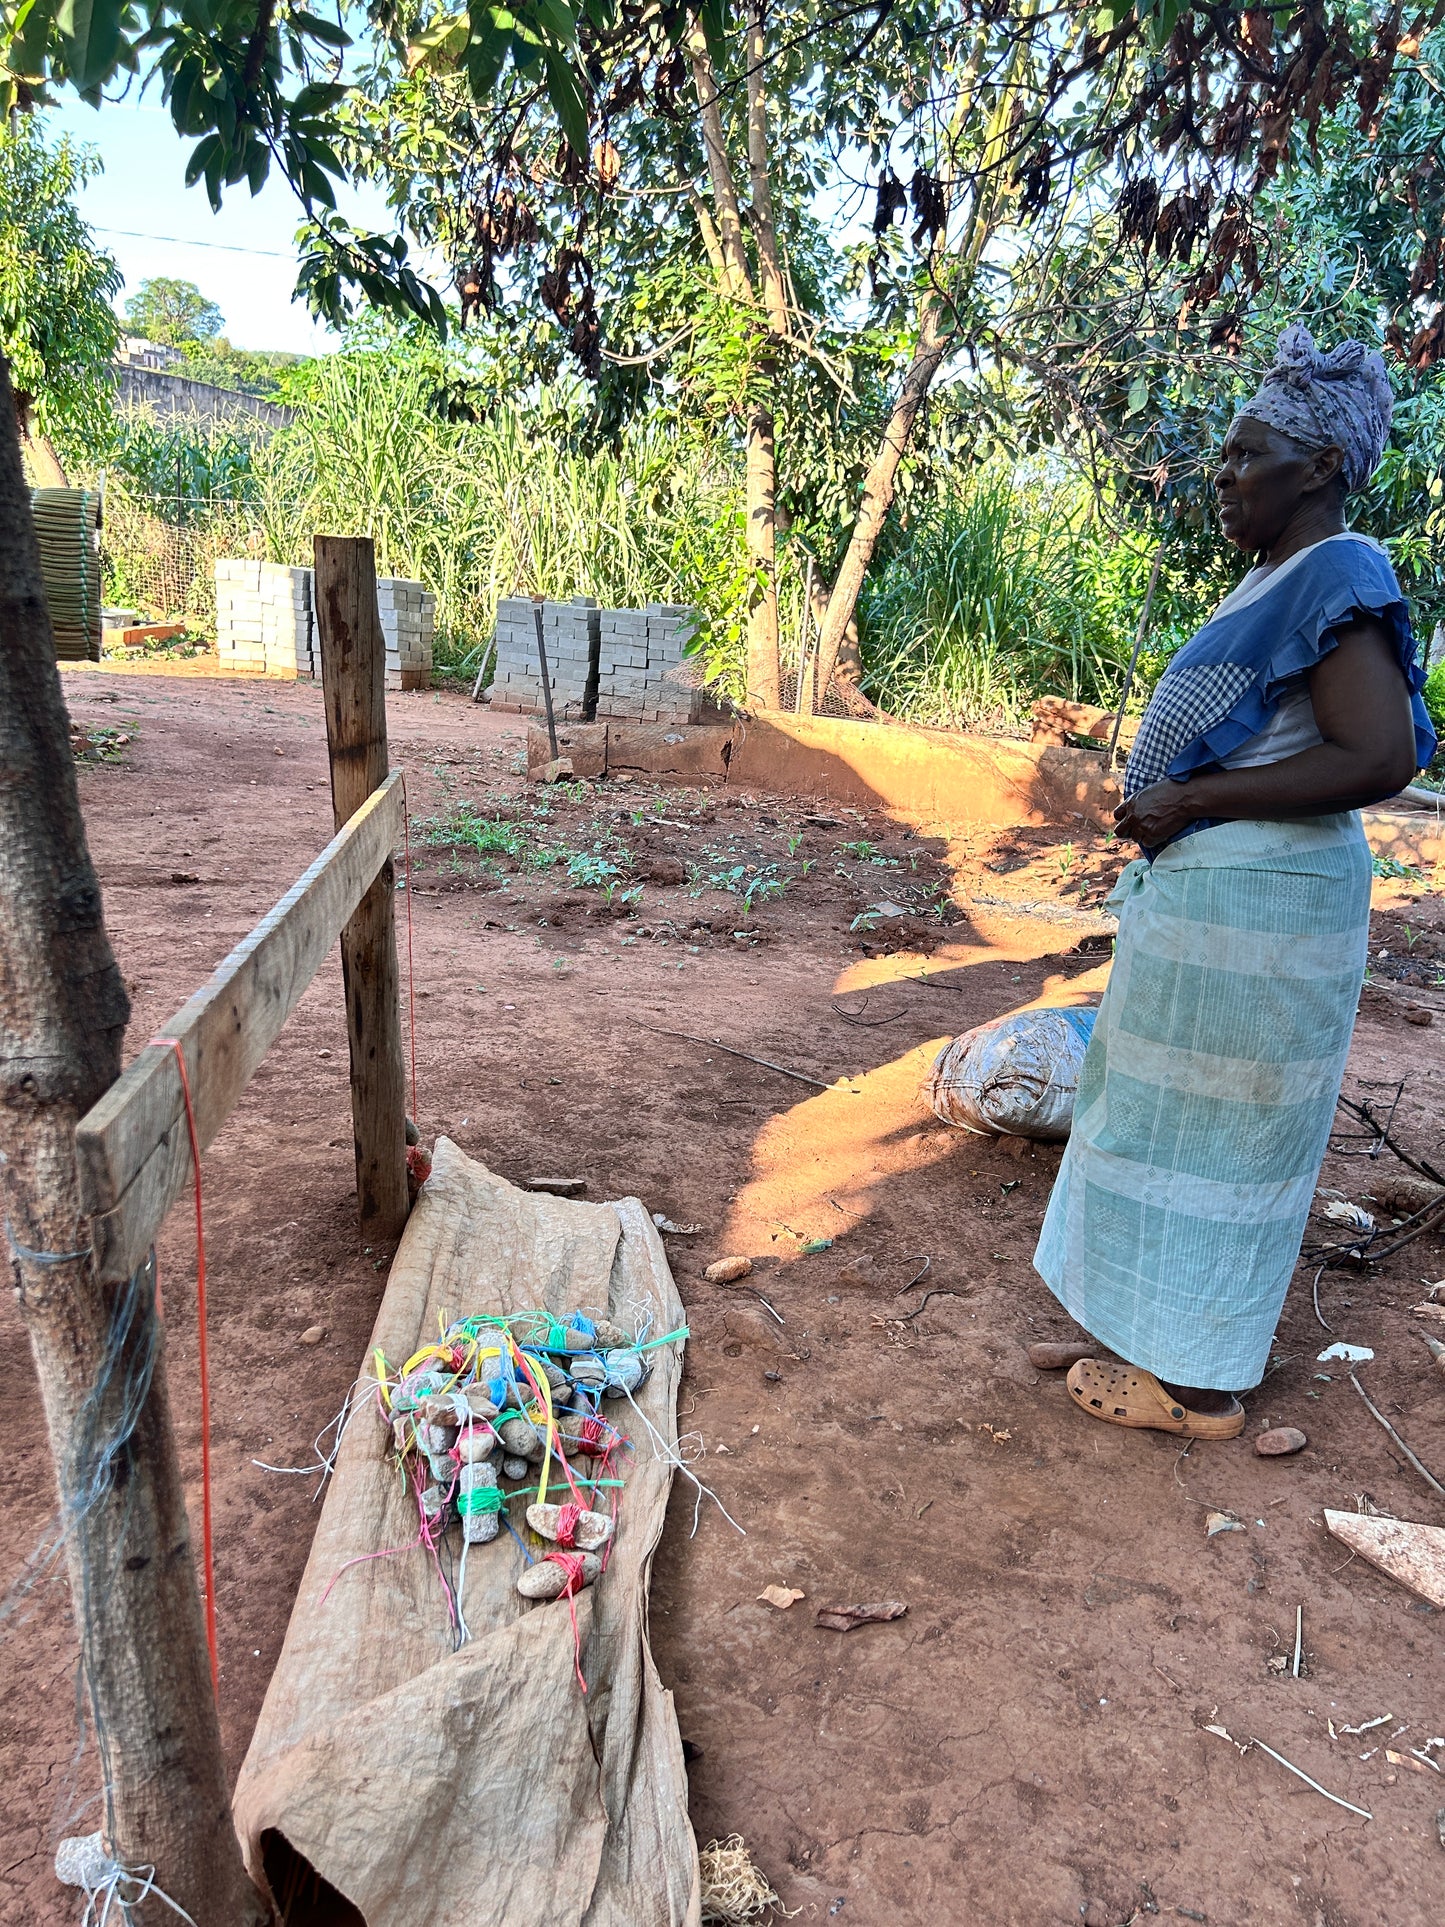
[(1341, 399)]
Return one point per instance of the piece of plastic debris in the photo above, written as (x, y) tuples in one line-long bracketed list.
[(666, 1224), (1217, 1522), (815, 1245), (1341, 1211), (1353, 1354), (782, 1596)]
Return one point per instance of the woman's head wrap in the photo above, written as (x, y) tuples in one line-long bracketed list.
[(1341, 399)]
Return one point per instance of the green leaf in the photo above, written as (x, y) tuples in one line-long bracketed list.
[(318, 29), (443, 42), (1138, 394), (206, 151), (34, 20), (557, 21), (317, 98), (566, 98), (90, 38)]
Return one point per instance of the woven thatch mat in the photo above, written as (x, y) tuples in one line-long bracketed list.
[(479, 1786)]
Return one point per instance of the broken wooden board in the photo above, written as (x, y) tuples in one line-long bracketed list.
[(427, 1780), (1413, 1555)]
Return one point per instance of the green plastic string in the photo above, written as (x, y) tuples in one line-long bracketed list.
[(485, 1498), (652, 1344)]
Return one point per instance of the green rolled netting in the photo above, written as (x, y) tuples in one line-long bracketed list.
[(67, 527)]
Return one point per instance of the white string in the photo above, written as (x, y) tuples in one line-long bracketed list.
[(462, 1627), (671, 1455), (326, 1461), (101, 1878)]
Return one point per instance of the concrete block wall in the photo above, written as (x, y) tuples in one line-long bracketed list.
[(570, 631), (266, 623), (626, 664), (264, 620), (642, 675), (408, 622)]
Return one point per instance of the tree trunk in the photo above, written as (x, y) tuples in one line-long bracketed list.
[(45, 464), (724, 243), (878, 487), (764, 230), (762, 626), (98, 1354)]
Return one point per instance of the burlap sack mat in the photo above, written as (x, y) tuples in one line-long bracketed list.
[(479, 1786)]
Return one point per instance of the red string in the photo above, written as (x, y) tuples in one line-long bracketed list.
[(207, 1542), (571, 1564), (410, 957), (568, 1516)]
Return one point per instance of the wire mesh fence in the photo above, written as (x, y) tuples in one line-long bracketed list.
[(159, 553)]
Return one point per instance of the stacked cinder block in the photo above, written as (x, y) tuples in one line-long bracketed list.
[(408, 622), (570, 632), (264, 621), (624, 664), (641, 673)]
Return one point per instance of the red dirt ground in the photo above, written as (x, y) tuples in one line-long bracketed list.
[(1028, 1745)]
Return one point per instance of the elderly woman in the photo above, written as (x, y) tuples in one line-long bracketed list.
[(1207, 1094)]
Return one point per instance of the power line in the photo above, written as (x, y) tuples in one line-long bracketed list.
[(224, 247)]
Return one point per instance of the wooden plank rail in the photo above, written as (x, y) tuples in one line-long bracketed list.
[(133, 1147)]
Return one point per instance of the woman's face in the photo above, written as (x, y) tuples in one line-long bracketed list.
[(1263, 479)]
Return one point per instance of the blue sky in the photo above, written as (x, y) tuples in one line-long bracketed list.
[(243, 259)]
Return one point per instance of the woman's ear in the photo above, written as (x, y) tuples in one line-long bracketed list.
[(1326, 467)]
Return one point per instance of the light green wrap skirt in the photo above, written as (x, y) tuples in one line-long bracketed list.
[(1207, 1095)]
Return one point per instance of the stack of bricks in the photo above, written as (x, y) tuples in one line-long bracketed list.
[(408, 622), (623, 664), (264, 624), (641, 674), (570, 631)]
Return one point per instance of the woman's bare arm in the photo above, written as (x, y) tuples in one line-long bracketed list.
[(1362, 709)]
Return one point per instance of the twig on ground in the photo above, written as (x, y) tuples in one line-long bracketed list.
[(1375, 1413), (1367, 1117), (927, 981), (753, 1292), (1290, 1767), (1413, 1227), (712, 1043), (1315, 1294)]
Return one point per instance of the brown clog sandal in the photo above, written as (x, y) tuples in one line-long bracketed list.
[(1125, 1395)]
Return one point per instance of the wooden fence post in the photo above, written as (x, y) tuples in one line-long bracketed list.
[(353, 677)]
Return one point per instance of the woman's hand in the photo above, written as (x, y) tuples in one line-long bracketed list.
[(1155, 815)]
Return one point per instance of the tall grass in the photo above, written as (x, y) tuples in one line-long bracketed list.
[(479, 510), (1007, 589), (1001, 588)]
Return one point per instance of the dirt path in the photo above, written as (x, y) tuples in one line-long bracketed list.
[(1028, 1744)]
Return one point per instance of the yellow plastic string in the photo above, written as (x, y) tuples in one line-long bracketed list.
[(544, 1386), (379, 1358)]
